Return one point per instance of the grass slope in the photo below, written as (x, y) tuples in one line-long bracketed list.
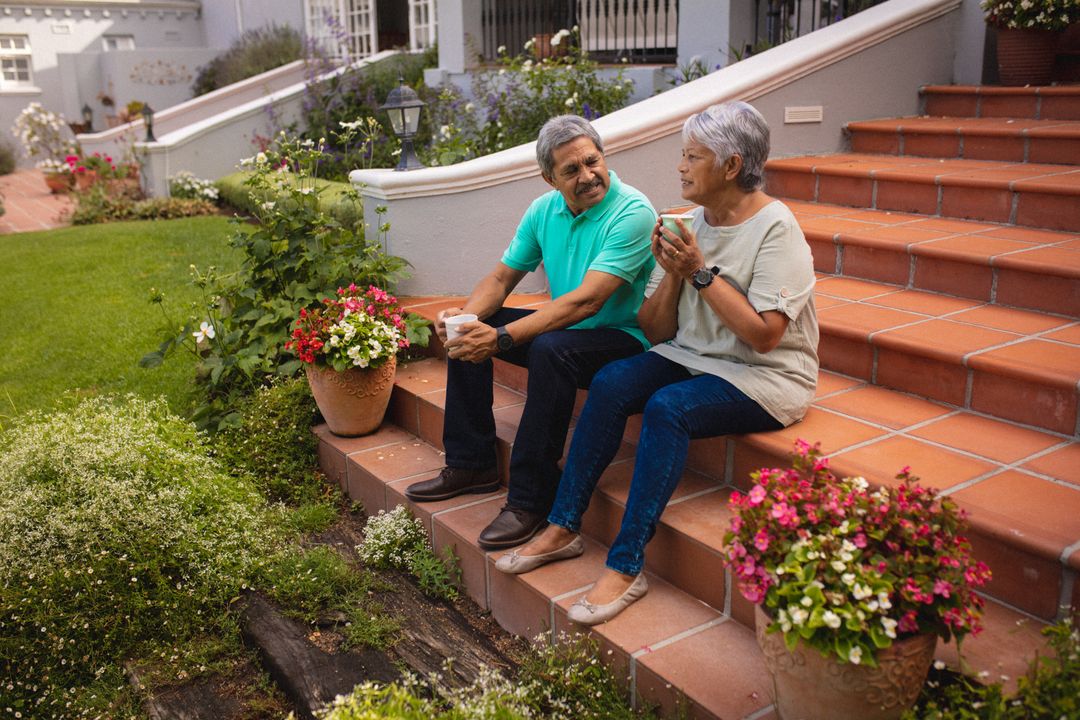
[(74, 313)]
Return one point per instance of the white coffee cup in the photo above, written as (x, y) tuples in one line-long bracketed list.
[(454, 323), (668, 220)]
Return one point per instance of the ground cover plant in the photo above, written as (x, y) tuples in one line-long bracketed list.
[(398, 540), (564, 680), (75, 311), (119, 537)]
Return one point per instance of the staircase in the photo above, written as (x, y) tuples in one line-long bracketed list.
[(948, 253)]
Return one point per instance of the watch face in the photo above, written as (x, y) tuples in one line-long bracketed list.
[(702, 278)]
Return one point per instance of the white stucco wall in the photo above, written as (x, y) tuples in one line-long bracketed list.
[(59, 28), (225, 20)]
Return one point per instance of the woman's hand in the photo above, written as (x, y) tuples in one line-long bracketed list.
[(679, 256)]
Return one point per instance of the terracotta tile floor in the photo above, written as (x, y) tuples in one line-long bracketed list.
[(29, 205)]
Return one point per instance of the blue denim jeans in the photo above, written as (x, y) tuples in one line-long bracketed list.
[(678, 407), (559, 362)]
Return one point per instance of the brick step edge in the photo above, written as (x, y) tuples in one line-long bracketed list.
[(666, 644)]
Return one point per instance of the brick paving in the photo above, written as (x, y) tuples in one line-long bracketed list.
[(28, 203)]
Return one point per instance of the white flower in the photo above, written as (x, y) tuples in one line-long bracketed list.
[(260, 159), (205, 331), (855, 656), (848, 578), (806, 601), (831, 619), (861, 592), (838, 565), (890, 626), (268, 205), (569, 102), (469, 107), (798, 615), (501, 50)]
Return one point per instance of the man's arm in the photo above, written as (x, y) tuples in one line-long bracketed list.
[(487, 296), (585, 301)]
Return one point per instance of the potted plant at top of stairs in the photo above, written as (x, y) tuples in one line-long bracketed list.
[(1027, 36), (350, 348), (853, 586)]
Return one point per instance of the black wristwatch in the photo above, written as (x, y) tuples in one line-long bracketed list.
[(703, 277), (503, 339)]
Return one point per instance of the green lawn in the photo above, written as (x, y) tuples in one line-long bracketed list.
[(74, 313)]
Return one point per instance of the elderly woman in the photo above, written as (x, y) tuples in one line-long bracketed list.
[(730, 313)]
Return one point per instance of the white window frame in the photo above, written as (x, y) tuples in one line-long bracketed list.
[(423, 24), (15, 57), (114, 43), (358, 21)]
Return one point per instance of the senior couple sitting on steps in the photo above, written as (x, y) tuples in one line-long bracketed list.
[(724, 309)]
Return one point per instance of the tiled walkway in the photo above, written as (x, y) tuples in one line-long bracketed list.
[(28, 203)]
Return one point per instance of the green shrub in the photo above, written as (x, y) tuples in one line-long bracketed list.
[(8, 159), (336, 198), (118, 535), (99, 205), (254, 52), (297, 254), (272, 442)]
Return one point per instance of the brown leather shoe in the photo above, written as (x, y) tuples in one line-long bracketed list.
[(452, 482), (512, 527)]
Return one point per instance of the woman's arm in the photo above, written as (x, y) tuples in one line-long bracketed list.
[(681, 256)]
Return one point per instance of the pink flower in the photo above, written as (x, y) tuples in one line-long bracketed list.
[(942, 588), (757, 495), (761, 540)]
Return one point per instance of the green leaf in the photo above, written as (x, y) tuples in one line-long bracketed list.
[(151, 359), (290, 367)]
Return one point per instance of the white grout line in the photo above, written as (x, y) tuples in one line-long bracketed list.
[(473, 503), (1067, 552), (699, 493), (767, 710), (680, 636)]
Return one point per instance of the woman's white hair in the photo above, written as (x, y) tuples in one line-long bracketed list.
[(733, 128)]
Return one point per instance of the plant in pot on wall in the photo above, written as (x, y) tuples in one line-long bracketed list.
[(853, 585), (349, 347), (1027, 36)]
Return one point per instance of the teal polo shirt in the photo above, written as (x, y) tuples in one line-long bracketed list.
[(611, 236)]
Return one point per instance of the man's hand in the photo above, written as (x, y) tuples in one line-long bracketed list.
[(440, 321), (477, 343)]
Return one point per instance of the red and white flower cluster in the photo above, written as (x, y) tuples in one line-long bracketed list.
[(847, 568), (352, 330)]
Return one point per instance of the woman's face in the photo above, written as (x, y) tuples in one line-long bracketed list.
[(699, 174)]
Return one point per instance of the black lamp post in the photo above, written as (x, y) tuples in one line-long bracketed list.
[(148, 118), (87, 119), (403, 106)]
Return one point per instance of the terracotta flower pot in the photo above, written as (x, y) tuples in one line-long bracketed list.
[(58, 182), (83, 180), (1026, 57), (352, 401), (809, 686)]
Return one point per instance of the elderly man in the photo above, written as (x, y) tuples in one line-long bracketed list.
[(592, 234)]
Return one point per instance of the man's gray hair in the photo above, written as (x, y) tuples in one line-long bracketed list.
[(733, 128), (558, 131)]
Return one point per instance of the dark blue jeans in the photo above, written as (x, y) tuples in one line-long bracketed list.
[(559, 362), (678, 406)]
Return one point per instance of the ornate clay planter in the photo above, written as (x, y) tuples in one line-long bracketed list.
[(808, 686), (353, 401)]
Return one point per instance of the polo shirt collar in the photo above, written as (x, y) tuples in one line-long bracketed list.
[(597, 211)]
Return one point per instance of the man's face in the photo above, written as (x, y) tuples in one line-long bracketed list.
[(580, 174)]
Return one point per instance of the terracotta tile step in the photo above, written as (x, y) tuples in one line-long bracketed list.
[(1057, 102), (1013, 364), (1004, 139), (868, 430), (989, 262), (667, 643), (1030, 194)]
